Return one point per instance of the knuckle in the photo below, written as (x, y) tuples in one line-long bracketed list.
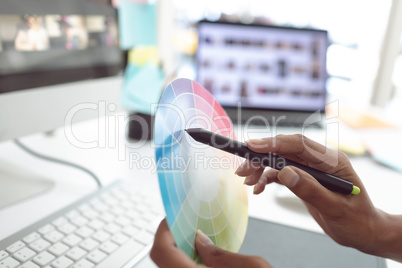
[(216, 257), (257, 261), (280, 136), (300, 137), (217, 253), (343, 158)]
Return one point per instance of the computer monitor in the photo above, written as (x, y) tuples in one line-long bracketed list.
[(263, 68), (51, 51)]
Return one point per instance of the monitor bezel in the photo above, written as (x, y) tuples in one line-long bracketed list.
[(34, 79)]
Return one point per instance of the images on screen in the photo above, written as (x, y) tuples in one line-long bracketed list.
[(261, 66), (54, 32)]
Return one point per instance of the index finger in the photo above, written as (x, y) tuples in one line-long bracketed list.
[(164, 251), (300, 149)]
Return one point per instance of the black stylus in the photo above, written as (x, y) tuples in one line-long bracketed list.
[(329, 181)]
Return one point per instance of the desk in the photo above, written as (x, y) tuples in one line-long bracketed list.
[(110, 163)]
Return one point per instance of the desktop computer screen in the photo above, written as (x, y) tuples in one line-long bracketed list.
[(52, 42), (47, 49), (44, 47), (263, 67)]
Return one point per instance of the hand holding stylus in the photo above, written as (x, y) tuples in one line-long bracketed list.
[(350, 221)]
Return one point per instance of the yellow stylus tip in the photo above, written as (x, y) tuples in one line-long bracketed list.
[(355, 191)]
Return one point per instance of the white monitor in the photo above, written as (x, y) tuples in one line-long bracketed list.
[(54, 55)]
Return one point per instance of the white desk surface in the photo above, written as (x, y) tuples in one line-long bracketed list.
[(384, 185)]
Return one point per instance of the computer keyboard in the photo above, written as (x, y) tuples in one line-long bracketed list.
[(113, 227)]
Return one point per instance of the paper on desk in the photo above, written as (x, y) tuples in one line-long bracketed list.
[(142, 87), (137, 23), (143, 54), (362, 119)]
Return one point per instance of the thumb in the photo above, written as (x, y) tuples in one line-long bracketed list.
[(308, 189), (213, 256)]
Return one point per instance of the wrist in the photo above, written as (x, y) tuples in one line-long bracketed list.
[(389, 236)]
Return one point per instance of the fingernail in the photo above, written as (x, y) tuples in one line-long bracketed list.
[(255, 188), (241, 167), (288, 177), (247, 180), (258, 185), (203, 238)]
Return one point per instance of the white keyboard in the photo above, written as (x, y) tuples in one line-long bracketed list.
[(113, 227)]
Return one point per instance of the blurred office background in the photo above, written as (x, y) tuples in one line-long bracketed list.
[(358, 38)]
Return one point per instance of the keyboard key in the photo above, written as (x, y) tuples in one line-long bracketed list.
[(67, 228), (62, 262), (29, 265), (96, 224), (79, 221), (76, 253), (122, 255), (96, 256), (9, 263), (112, 228), (91, 214), (107, 217), (83, 264), (117, 211), (84, 232), (108, 247), (31, 237), (141, 208), (46, 229), (24, 254), (43, 258), (101, 236), (15, 247), (73, 214), (54, 236), (89, 244), (101, 208), (39, 245), (130, 230), (120, 238), (127, 204), (59, 221), (144, 237), (58, 249), (123, 221), (132, 214), (3, 255), (72, 240)]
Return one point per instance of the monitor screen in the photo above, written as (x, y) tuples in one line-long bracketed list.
[(54, 41), (263, 67)]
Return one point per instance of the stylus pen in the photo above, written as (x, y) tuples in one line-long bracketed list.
[(329, 181)]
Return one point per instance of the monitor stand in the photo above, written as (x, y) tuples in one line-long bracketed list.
[(17, 184)]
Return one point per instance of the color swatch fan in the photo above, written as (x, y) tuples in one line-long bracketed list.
[(197, 182)]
